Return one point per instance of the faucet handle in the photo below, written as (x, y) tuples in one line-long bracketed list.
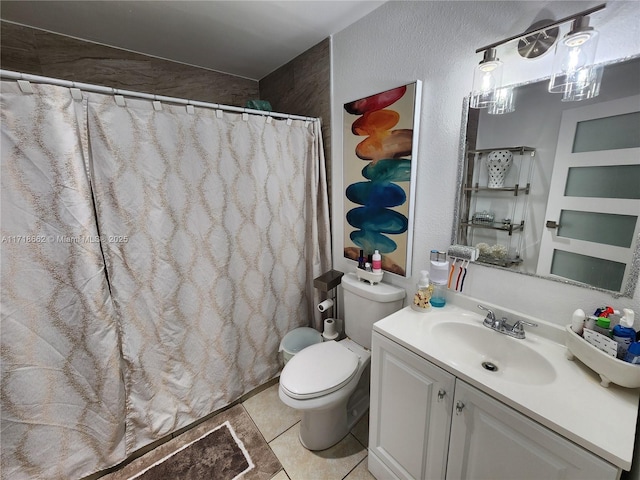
[(490, 314), (490, 320), (517, 327)]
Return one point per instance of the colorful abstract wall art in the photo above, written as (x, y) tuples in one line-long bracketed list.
[(380, 145)]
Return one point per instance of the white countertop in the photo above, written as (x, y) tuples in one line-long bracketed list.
[(574, 404)]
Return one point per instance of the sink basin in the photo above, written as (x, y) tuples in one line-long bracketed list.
[(476, 346)]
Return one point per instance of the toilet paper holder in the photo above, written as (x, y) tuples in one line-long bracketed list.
[(326, 305), (327, 282)]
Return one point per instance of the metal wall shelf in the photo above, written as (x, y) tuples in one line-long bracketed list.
[(520, 150), (501, 262), (515, 189), (509, 203), (510, 228)]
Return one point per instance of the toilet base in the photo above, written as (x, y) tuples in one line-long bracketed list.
[(358, 404), (321, 429)]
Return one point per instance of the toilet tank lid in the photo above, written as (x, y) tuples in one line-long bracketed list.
[(380, 292)]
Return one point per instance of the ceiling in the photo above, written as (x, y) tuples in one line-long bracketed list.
[(240, 37)]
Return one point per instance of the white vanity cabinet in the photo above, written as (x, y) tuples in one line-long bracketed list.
[(491, 440), (411, 405), (426, 424)]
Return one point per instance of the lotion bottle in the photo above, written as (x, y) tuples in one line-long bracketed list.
[(376, 261), (577, 321)]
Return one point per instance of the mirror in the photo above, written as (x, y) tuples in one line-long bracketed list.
[(552, 189)]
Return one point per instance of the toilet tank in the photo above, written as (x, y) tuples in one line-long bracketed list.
[(365, 304)]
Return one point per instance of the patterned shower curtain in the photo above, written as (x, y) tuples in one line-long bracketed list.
[(63, 402), (212, 227)]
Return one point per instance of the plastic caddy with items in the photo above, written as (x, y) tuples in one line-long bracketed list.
[(599, 352)]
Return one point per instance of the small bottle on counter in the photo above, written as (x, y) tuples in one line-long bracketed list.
[(439, 296), (424, 290), (439, 276), (623, 333), (624, 336), (602, 326), (376, 262), (577, 321)]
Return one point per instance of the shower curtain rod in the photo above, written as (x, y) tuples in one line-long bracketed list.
[(11, 75)]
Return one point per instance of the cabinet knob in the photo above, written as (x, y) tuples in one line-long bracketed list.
[(459, 407), (441, 394)]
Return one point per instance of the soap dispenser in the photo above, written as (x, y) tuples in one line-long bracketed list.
[(439, 276), (424, 290)]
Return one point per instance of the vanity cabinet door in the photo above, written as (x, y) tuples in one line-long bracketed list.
[(492, 441), (411, 405)]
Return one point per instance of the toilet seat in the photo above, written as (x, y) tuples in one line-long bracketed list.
[(319, 370)]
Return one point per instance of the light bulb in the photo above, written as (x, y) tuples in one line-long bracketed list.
[(586, 85), (487, 78), (574, 57), (504, 102)]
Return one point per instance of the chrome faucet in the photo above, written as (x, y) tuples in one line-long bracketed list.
[(515, 330)]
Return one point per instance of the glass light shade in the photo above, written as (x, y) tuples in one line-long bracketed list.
[(487, 78), (504, 102), (587, 86), (575, 55)]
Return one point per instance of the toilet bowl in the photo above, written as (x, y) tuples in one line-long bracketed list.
[(329, 383)]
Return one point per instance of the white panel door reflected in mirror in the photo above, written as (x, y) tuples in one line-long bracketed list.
[(535, 124)]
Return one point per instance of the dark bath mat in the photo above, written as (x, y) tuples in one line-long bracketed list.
[(225, 447), (219, 454)]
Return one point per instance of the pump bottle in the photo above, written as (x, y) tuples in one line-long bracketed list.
[(423, 293)]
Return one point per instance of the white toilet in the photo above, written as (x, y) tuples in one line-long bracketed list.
[(329, 382)]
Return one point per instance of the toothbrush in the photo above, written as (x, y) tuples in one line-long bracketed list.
[(464, 254), (453, 267), (460, 275), (466, 264)]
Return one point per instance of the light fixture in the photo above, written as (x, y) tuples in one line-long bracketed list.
[(586, 85), (487, 78), (538, 43), (575, 55), (504, 102), (573, 72)]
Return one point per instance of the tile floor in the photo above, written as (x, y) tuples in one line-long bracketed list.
[(279, 425)]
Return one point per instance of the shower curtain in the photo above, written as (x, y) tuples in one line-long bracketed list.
[(63, 402), (194, 238)]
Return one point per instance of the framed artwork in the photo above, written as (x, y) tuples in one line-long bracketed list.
[(380, 142)]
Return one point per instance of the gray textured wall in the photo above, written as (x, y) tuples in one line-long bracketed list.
[(302, 87), (34, 51)]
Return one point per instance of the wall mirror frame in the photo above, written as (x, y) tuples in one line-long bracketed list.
[(508, 219)]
